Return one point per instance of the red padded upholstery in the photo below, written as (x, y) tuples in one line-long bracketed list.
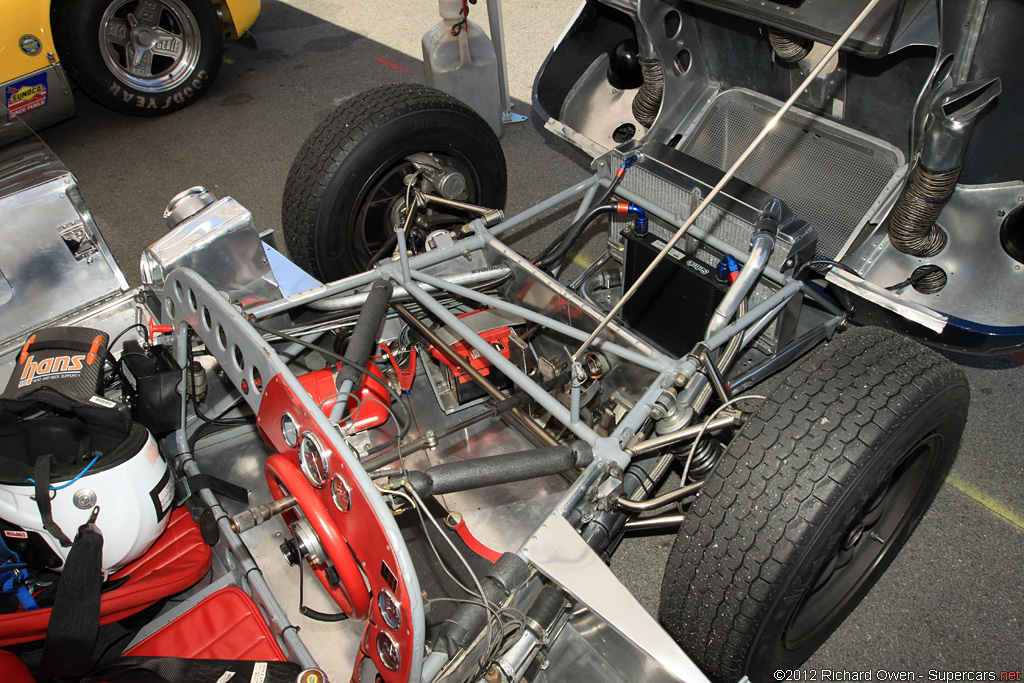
[(226, 625), (13, 670), (174, 562)]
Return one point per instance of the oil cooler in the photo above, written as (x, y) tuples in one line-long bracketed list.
[(674, 307)]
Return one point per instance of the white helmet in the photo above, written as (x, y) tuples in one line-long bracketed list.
[(55, 426)]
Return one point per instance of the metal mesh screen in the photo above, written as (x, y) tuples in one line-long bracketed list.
[(828, 175)]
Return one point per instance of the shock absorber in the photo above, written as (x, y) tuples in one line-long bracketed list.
[(932, 181)]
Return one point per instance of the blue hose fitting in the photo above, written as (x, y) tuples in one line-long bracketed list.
[(626, 164), (640, 224)]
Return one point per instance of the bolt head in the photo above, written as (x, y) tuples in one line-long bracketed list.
[(84, 499)]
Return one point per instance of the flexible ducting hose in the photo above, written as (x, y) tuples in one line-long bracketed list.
[(947, 133), (788, 47), (912, 227), (647, 101)]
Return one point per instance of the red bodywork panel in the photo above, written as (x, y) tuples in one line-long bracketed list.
[(369, 405)]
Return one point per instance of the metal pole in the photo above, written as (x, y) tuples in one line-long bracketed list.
[(509, 369), (727, 177), (655, 363), (497, 22)]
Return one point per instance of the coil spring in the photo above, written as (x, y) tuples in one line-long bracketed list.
[(708, 452), (648, 99), (788, 47), (912, 228)]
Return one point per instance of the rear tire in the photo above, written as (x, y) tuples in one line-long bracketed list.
[(811, 502), (340, 199)]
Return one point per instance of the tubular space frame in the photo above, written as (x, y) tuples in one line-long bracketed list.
[(407, 272), (187, 296)]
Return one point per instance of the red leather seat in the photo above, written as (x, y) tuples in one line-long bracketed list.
[(177, 559), (226, 625), (13, 670)]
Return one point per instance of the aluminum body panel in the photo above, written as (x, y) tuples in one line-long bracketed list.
[(973, 259), (557, 550), (221, 241), (49, 275)]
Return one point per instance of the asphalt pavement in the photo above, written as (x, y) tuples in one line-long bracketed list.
[(951, 602)]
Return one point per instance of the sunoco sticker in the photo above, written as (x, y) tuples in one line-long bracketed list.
[(25, 95)]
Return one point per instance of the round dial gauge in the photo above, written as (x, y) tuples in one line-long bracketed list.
[(387, 648), (289, 430), (313, 458), (389, 609)]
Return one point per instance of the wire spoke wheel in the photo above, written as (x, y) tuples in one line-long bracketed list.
[(352, 181), (384, 203)]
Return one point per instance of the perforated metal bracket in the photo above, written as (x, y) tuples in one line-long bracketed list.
[(245, 357)]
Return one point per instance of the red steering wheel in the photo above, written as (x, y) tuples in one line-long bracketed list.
[(351, 593)]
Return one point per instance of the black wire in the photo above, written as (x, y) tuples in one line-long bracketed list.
[(311, 613), (115, 363), (403, 425), (814, 263), (573, 226), (916, 277), (113, 342), (229, 422)]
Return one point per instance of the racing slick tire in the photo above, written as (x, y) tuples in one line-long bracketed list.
[(139, 57), (347, 188), (810, 503)]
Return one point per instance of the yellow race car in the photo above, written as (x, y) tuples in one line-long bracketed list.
[(140, 57)]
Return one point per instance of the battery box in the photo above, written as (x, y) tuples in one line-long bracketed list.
[(149, 379)]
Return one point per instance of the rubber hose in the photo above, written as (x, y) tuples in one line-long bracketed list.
[(364, 335), (912, 228), (570, 236), (647, 101)]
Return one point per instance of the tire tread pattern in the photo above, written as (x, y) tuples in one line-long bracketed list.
[(776, 480), (329, 144)]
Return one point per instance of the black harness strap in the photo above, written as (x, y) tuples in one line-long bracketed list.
[(189, 486), (176, 670), (75, 619), (43, 501)]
